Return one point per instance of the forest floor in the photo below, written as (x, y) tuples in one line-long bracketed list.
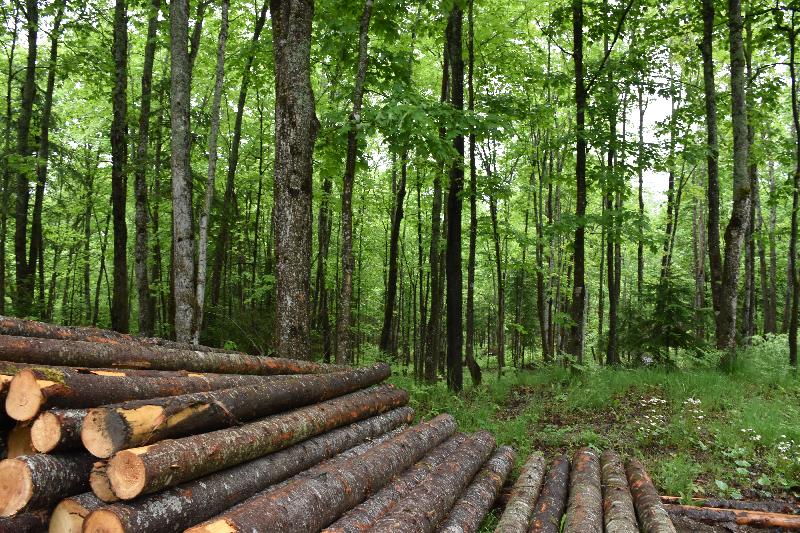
[(700, 431)]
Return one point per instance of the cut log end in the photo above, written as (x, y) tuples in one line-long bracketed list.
[(99, 483), (103, 521), (68, 517), (19, 441), (25, 398), (46, 432), (16, 486), (94, 434), (127, 474)]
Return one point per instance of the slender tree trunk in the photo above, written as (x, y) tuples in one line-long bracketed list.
[(793, 319), (386, 342), (87, 239), (182, 227), (749, 307), (423, 315), (295, 131), (202, 262), (771, 309), (322, 321), (142, 249), (640, 174), (699, 255), (100, 272), (6, 162), (501, 295)]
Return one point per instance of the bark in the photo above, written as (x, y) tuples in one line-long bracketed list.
[(33, 389), (364, 516), (33, 522), (423, 508), (619, 515), (105, 355), (553, 499), (34, 482), (200, 293), (734, 516), (585, 505), (168, 463), (6, 163), (794, 283), (70, 514), (742, 505), (110, 429), (57, 430), (142, 248), (178, 508), (699, 247), (771, 310), (182, 217), (640, 174), (652, 516), (100, 484), (295, 132), (468, 512), (501, 292), (386, 345), (308, 504), (519, 509)]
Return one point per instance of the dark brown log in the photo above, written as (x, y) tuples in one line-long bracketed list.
[(312, 503), (99, 483), (97, 355), (34, 388), (33, 482), (423, 508), (70, 513), (585, 504), (653, 518), (33, 522), (110, 429), (151, 468), (178, 508), (18, 441), (553, 499), (735, 516), (744, 505), (370, 511), (517, 515), (58, 430), (469, 511), (619, 515)]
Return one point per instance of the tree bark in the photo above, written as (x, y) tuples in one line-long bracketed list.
[(652, 516), (519, 509), (33, 522), (553, 499), (70, 514), (619, 515), (341, 485), (771, 309), (794, 281), (734, 516), (6, 163), (585, 505), (386, 343), (762, 506), (640, 174), (57, 430)]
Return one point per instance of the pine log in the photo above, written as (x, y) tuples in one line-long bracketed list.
[(70, 513), (57, 430), (178, 508), (110, 429), (310, 504), (653, 518), (743, 505), (33, 482), (167, 463), (371, 510), (517, 515), (553, 500), (33, 389), (619, 515), (477, 500), (99, 483), (33, 522), (585, 503), (19, 441), (422, 509), (104, 355), (736, 516)]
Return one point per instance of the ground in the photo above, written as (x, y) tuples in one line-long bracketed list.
[(700, 431)]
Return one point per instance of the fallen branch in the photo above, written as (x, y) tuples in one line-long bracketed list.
[(585, 504), (618, 513), (519, 509), (553, 499), (735, 516), (744, 505), (653, 518)]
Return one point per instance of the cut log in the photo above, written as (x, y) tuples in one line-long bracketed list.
[(653, 518), (364, 515), (585, 503), (19, 441), (477, 500), (58, 430), (70, 513), (744, 505), (178, 508), (553, 500), (33, 388), (422, 509), (110, 429), (736, 516), (619, 515), (33, 482), (99, 483), (167, 463), (104, 355), (33, 522), (517, 516), (312, 503)]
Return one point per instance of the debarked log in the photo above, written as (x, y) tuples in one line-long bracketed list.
[(619, 515), (553, 499), (167, 463), (736, 516), (653, 518), (517, 515), (585, 503)]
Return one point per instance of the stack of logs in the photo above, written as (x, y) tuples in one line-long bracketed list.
[(113, 433)]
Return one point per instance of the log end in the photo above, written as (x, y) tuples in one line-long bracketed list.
[(102, 521), (16, 486), (18, 441), (68, 517), (216, 526), (46, 432), (96, 435), (25, 398), (127, 474), (98, 481)]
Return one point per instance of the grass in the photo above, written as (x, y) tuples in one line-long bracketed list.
[(699, 430)]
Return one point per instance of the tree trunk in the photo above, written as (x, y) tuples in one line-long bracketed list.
[(517, 515), (652, 516), (386, 343), (553, 499), (640, 174), (771, 310), (295, 131), (585, 505), (699, 261), (501, 293), (6, 162), (795, 281), (619, 516)]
